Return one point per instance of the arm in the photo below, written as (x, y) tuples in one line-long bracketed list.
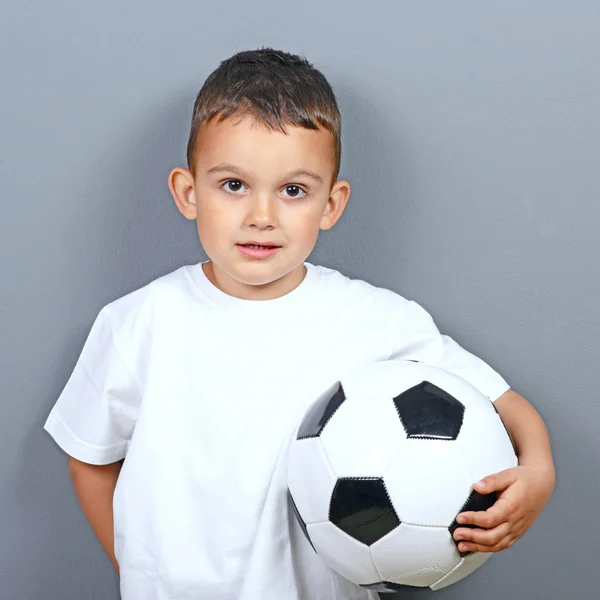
[(529, 434), (523, 491), (95, 486)]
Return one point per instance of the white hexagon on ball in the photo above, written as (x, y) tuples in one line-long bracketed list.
[(428, 482), (485, 444), (309, 472), (414, 555), (362, 437), (344, 554)]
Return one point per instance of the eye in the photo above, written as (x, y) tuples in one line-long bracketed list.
[(295, 191), (232, 186)]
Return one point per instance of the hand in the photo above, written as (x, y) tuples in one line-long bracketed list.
[(522, 494)]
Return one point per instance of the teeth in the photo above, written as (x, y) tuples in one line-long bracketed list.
[(254, 247)]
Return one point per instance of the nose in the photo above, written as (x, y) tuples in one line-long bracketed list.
[(262, 212)]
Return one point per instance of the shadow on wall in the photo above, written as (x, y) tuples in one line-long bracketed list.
[(128, 232), (376, 161), (133, 232)]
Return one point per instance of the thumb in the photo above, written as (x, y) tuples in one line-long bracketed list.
[(497, 482)]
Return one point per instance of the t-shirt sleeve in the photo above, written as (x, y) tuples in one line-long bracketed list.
[(94, 416), (419, 339)]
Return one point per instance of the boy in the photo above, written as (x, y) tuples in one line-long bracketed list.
[(198, 379)]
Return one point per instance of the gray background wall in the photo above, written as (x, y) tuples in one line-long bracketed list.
[(471, 135)]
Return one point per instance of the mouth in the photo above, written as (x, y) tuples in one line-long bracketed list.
[(256, 246), (254, 250)]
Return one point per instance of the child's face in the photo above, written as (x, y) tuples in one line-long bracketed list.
[(253, 185)]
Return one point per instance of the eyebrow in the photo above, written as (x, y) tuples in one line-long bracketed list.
[(225, 167)]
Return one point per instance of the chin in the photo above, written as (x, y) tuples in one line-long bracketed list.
[(262, 274), (250, 274), (257, 280)]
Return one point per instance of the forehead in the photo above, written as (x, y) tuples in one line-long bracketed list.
[(252, 145)]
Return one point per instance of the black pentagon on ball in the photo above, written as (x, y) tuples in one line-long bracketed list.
[(388, 587), (475, 502), (300, 519), (361, 507), (426, 411), (318, 415)]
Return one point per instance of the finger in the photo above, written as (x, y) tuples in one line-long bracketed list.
[(519, 528), (497, 482), (484, 537), (503, 544), (492, 517)]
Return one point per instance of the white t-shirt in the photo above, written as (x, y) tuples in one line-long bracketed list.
[(201, 392)]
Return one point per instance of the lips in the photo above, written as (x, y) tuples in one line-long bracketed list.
[(262, 250), (259, 245)]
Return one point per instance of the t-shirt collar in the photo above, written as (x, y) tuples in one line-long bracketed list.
[(295, 298)]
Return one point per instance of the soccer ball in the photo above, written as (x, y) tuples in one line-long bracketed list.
[(381, 465)]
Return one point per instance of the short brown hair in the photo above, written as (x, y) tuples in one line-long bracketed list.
[(276, 88)]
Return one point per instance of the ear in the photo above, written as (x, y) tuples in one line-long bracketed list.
[(336, 203), (181, 184)]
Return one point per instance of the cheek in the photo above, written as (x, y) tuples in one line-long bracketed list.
[(210, 230), (213, 218), (306, 224)]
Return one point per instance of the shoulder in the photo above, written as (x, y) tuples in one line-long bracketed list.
[(358, 292), (136, 311)]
